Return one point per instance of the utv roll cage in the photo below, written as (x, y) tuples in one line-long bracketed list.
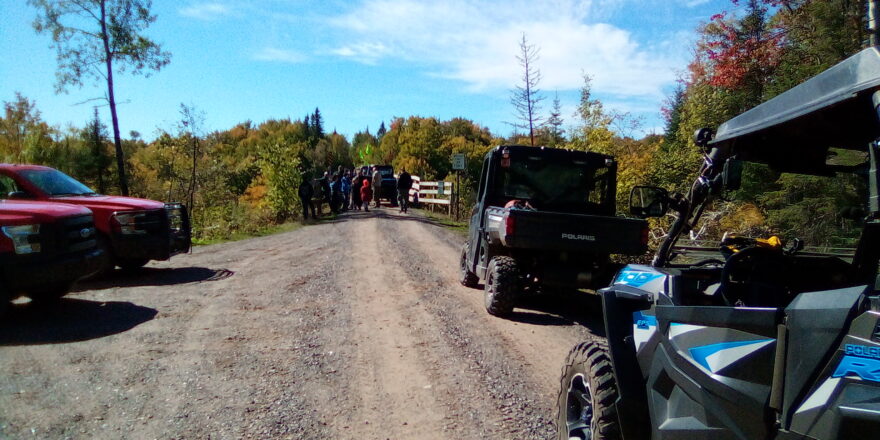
[(793, 132)]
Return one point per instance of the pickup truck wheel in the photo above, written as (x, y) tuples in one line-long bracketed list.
[(49, 295), (131, 264), (4, 301), (468, 278), (502, 286), (585, 405)]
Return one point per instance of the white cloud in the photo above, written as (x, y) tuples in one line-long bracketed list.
[(279, 55), (695, 3), (476, 42), (206, 11)]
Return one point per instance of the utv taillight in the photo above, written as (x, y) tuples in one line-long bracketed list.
[(509, 225)]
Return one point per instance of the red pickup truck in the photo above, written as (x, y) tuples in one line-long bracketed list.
[(44, 249), (131, 231)]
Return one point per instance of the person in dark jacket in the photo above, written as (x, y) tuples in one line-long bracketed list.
[(356, 184), (404, 183), (324, 184), (335, 193), (306, 191)]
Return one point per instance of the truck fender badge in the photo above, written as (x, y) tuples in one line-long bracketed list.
[(578, 237), (85, 232)]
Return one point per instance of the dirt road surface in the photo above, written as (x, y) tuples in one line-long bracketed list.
[(354, 328)]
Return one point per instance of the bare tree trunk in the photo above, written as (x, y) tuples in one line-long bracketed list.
[(117, 140), (192, 183)]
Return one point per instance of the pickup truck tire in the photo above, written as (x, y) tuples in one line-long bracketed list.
[(585, 405), (131, 264), (4, 301), (49, 295), (502, 286), (468, 278)]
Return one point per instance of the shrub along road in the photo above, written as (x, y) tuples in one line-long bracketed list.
[(350, 328)]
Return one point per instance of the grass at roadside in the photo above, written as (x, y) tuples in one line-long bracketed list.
[(460, 227), (268, 230)]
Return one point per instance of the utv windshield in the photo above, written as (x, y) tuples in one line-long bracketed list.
[(55, 183), (553, 184), (386, 172)]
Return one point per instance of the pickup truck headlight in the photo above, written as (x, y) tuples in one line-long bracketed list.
[(126, 223), (25, 238), (175, 216)]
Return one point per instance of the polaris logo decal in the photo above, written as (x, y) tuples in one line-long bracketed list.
[(578, 237), (861, 361), (865, 368), (862, 351)]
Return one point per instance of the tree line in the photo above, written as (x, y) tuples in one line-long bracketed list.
[(245, 177)]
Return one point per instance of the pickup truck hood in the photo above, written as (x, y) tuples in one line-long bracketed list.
[(19, 212), (111, 203)]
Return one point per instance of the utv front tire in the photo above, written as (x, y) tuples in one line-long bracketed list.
[(467, 278), (502, 286), (585, 406)]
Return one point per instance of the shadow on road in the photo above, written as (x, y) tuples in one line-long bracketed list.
[(154, 276), (70, 320), (562, 308), (390, 213)]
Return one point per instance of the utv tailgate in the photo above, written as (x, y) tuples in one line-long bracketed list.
[(526, 229)]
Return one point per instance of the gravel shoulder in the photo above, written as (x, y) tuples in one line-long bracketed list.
[(351, 328)]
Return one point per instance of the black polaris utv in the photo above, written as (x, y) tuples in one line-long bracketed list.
[(767, 341), (545, 217)]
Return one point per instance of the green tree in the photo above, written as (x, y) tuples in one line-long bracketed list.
[(94, 39)]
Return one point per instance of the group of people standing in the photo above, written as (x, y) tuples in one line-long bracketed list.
[(347, 189)]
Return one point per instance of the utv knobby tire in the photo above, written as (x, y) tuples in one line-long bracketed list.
[(467, 278), (502, 286), (585, 405)]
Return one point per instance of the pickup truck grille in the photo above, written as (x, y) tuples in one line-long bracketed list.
[(155, 221), (69, 235)]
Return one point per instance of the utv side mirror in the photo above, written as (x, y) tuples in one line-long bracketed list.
[(732, 174), (18, 195), (648, 201)]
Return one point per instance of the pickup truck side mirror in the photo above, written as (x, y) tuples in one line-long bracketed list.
[(648, 201), (18, 195)]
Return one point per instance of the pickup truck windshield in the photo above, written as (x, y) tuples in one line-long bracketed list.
[(55, 183), (551, 184)]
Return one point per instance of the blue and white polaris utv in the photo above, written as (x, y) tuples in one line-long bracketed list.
[(771, 342)]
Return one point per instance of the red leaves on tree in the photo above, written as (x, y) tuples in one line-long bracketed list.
[(733, 55)]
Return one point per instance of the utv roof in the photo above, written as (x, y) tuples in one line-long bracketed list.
[(832, 109), (562, 153)]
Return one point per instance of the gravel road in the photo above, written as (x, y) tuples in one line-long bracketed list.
[(354, 328)]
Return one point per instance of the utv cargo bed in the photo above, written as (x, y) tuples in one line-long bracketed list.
[(527, 229)]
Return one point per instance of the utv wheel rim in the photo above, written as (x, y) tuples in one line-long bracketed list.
[(579, 409)]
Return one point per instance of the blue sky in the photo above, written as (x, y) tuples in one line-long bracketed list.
[(366, 61)]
